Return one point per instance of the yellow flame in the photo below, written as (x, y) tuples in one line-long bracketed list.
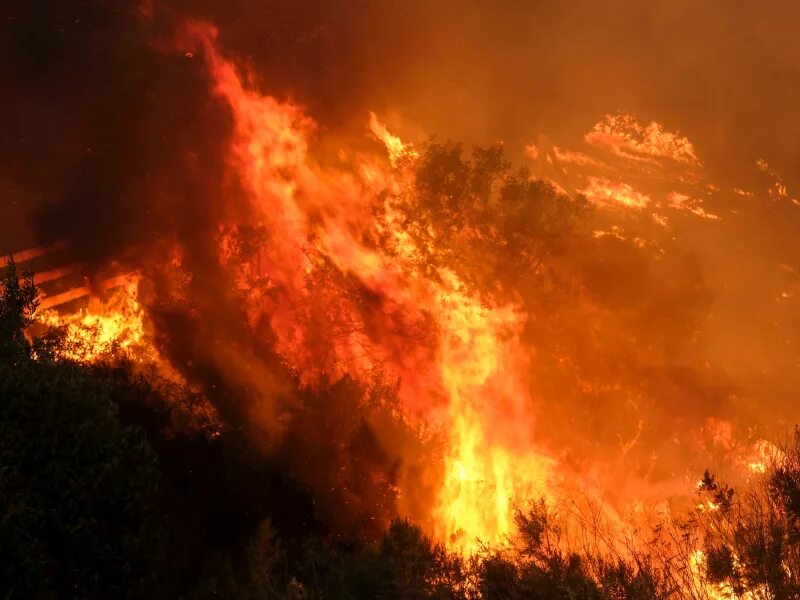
[(394, 145), (483, 478), (92, 333), (625, 136), (614, 193)]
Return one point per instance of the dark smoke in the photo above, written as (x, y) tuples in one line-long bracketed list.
[(90, 105), (118, 147)]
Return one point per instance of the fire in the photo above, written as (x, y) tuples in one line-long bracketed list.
[(396, 148), (615, 193), (717, 591), (625, 136), (551, 332), (463, 368), (116, 326), (466, 381), (482, 478), (680, 201)]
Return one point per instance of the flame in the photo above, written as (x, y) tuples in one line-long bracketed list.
[(718, 591), (623, 135), (482, 478), (117, 326), (465, 379), (614, 193), (680, 201), (778, 190), (396, 148)]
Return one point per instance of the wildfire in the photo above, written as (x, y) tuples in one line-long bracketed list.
[(615, 193), (566, 330), (623, 135), (465, 375), (475, 363), (116, 327)]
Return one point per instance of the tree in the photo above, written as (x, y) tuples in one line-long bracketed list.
[(18, 304), (752, 536), (77, 489), (480, 218)]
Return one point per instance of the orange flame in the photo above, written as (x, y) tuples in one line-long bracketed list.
[(475, 362), (91, 334), (394, 145), (624, 136), (615, 193)]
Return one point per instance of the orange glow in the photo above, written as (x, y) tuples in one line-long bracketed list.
[(394, 145), (118, 326), (31, 253), (615, 193), (490, 463), (58, 273), (693, 205), (625, 136)]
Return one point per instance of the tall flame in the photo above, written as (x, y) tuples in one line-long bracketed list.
[(465, 379)]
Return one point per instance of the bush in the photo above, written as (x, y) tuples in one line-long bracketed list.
[(77, 502)]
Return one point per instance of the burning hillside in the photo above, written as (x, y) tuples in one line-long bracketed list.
[(409, 327)]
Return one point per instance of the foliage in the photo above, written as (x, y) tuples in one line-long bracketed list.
[(541, 566), (77, 489), (478, 217), (18, 304), (752, 539), (104, 494)]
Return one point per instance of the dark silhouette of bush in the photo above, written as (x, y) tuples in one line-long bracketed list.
[(540, 566), (752, 537), (77, 489), (106, 492)]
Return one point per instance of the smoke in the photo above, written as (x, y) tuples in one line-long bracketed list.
[(88, 73), (119, 148)]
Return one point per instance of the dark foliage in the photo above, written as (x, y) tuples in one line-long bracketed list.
[(471, 213), (105, 494), (751, 538), (77, 489)]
